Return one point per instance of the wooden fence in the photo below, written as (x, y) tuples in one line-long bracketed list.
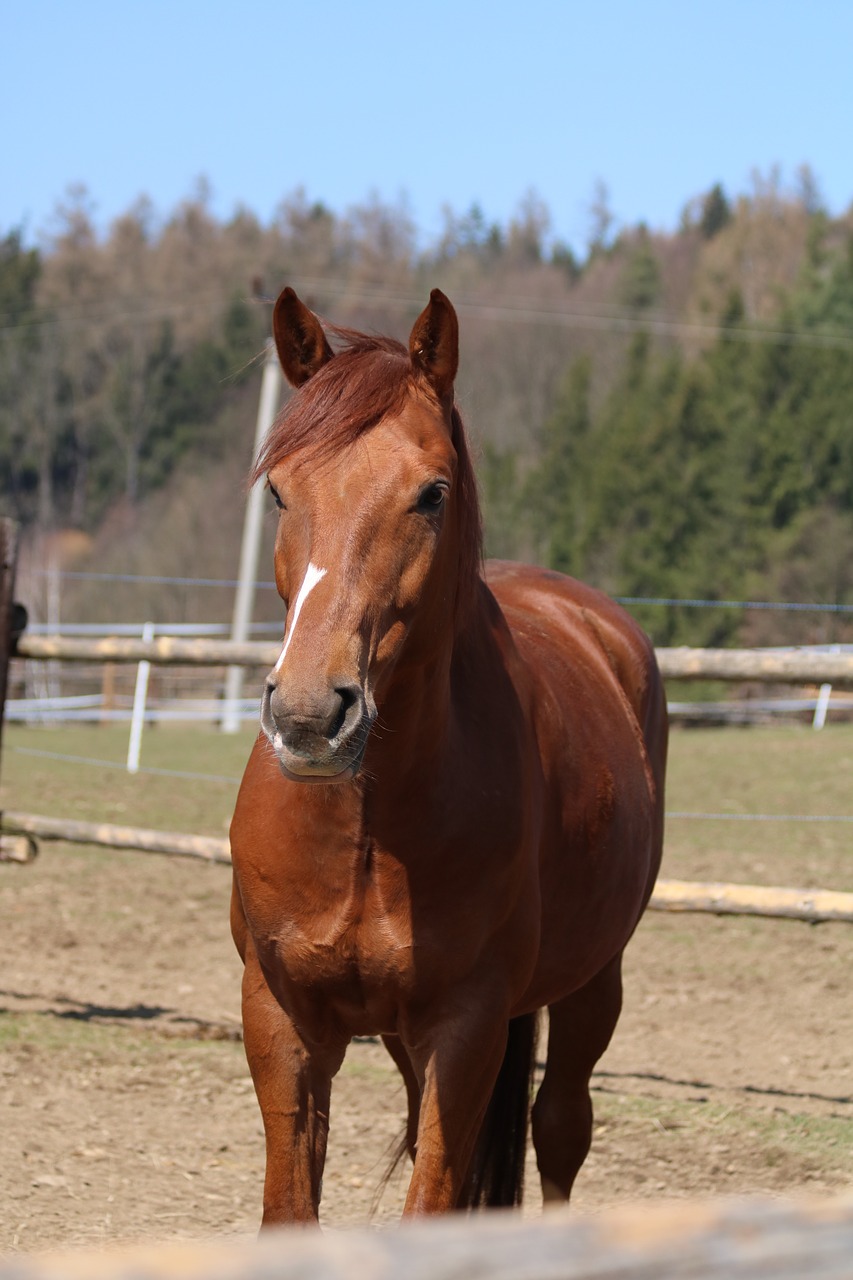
[(795, 666), (722, 1240), (815, 905), (736, 1240), (766, 666)]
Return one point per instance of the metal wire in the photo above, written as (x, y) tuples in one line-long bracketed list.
[(789, 606), (215, 777), (118, 764)]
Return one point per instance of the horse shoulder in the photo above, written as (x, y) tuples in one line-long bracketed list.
[(557, 620)]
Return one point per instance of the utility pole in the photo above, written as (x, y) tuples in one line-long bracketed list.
[(245, 594)]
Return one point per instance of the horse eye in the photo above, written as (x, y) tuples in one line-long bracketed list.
[(277, 499), (432, 497)]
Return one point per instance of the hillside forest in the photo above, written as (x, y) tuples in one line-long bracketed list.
[(668, 416)]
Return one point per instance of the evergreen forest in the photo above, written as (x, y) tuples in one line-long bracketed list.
[(668, 416)]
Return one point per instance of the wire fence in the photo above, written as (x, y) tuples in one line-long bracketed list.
[(176, 702), (229, 779), (783, 606)]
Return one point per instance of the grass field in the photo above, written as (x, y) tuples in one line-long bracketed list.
[(776, 772)]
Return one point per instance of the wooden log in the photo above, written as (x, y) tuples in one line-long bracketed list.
[(18, 848), (768, 666), (208, 848), (162, 650), (752, 900), (678, 1240), (814, 905)]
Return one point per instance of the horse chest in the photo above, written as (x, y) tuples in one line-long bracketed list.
[(344, 954)]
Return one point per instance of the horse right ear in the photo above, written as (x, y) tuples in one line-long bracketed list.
[(434, 344), (299, 338)]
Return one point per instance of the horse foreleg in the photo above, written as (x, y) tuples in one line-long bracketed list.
[(459, 1067), (580, 1027), (293, 1086)]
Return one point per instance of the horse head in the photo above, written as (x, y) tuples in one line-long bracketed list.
[(368, 467)]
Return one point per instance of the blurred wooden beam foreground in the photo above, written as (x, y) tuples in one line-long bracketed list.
[(723, 1240)]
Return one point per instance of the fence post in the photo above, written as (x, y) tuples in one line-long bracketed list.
[(822, 705), (8, 562), (12, 621), (250, 547), (140, 694)]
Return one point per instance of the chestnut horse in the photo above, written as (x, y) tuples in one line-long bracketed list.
[(452, 817)]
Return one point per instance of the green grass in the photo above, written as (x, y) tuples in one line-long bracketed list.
[(779, 770), (816, 1145), (40, 783), (769, 770)]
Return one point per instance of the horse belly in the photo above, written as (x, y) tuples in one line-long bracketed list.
[(600, 846), (590, 910)]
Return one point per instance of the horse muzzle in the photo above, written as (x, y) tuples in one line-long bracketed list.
[(320, 738)]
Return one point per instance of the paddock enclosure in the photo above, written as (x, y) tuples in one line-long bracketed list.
[(127, 1109)]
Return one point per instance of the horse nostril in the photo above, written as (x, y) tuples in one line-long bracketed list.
[(348, 696), (267, 710)]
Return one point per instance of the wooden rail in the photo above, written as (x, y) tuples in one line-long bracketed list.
[(814, 905), (767, 666), (111, 836), (166, 651), (723, 1240)]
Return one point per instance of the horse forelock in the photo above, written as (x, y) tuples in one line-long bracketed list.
[(369, 378)]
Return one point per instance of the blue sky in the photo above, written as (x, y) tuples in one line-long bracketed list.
[(440, 103)]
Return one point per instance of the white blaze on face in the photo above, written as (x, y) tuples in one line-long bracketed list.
[(313, 575)]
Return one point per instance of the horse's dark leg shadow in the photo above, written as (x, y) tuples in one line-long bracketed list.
[(403, 1062), (580, 1029)]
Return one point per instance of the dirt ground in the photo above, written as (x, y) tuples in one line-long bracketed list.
[(127, 1111)]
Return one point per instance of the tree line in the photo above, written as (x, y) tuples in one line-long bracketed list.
[(721, 476), (665, 415)]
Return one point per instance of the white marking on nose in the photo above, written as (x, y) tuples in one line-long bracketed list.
[(312, 576)]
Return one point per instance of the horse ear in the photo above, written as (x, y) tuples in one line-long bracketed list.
[(299, 338), (434, 344)]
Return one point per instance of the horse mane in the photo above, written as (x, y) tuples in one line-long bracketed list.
[(370, 377)]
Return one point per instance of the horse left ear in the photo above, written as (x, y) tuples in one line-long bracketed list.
[(299, 338), (434, 344)]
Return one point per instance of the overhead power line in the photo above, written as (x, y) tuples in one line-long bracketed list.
[(513, 310)]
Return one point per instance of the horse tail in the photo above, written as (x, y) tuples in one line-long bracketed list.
[(496, 1176)]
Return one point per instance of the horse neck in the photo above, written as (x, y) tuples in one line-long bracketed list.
[(416, 707)]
